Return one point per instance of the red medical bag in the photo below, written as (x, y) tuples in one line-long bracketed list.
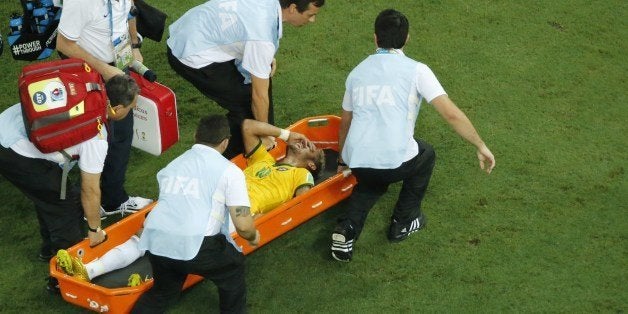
[(63, 103)]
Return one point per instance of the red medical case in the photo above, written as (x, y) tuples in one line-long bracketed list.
[(155, 124)]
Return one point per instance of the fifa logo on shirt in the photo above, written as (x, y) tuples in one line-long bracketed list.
[(228, 19), (373, 95), (183, 186)]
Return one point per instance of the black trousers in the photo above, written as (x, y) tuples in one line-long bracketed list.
[(120, 136), (223, 83), (373, 183), (217, 260), (60, 221)]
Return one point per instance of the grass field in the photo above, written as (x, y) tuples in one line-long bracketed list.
[(545, 83)]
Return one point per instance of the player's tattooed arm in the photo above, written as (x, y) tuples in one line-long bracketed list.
[(242, 211)]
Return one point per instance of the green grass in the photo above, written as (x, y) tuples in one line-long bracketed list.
[(545, 84)]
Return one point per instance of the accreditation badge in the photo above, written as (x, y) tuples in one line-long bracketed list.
[(122, 51)]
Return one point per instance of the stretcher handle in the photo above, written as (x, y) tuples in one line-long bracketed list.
[(67, 294), (287, 221), (346, 188)]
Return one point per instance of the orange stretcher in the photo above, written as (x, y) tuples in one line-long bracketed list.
[(330, 189)]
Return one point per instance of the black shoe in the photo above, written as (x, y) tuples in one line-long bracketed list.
[(45, 253), (342, 243), (52, 285), (43, 257), (399, 231)]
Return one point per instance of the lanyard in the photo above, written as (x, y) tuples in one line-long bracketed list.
[(110, 11), (380, 51)]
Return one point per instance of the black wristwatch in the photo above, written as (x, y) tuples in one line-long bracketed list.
[(138, 45), (93, 230)]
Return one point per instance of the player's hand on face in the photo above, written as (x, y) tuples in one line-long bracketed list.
[(296, 137)]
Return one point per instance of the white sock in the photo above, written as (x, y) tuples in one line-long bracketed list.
[(119, 257)]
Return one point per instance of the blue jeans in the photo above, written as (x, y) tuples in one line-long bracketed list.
[(373, 183)]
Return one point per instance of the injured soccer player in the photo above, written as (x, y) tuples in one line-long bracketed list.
[(270, 183)]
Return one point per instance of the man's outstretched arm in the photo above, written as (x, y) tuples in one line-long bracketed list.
[(463, 126)]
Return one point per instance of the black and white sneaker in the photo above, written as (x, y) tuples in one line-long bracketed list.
[(43, 257), (399, 231), (45, 253), (342, 243), (52, 285), (132, 205)]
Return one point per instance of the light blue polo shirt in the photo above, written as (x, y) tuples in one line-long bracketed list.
[(384, 93), (189, 203), (221, 23)]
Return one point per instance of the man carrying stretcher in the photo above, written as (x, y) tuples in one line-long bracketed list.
[(269, 184)]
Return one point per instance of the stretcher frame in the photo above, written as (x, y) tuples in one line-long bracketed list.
[(321, 130)]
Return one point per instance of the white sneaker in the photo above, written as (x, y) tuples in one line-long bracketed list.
[(132, 205), (103, 214)]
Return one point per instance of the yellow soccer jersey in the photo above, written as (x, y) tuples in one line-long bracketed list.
[(270, 184)]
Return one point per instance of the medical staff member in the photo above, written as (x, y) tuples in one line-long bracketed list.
[(188, 230), (104, 34), (39, 176), (226, 49), (379, 112)]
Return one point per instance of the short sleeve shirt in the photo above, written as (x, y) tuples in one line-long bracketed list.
[(230, 192), (91, 152), (88, 23)]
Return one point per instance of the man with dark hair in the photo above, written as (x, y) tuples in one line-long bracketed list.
[(104, 34), (391, 29), (301, 5), (376, 137), (187, 231), (121, 89), (38, 175), (226, 49), (212, 129)]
